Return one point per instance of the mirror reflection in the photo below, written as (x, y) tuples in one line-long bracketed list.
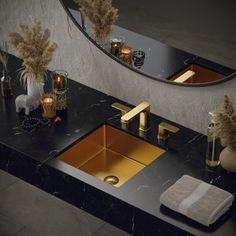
[(139, 52)]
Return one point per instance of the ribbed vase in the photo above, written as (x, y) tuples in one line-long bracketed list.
[(35, 88)]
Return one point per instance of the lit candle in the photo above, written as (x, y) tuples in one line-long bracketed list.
[(48, 102), (126, 54), (59, 82), (115, 46)]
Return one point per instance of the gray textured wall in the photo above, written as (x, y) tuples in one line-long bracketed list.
[(86, 64)]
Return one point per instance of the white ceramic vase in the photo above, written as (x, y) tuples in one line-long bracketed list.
[(228, 159), (35, 88)]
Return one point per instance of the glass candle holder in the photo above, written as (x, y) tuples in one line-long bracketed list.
[(59, 85), (59, 80), (138, 58), (48, 103), (116, 45), (126, 54)]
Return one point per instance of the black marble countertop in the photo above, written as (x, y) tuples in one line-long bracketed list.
[(135, 206)]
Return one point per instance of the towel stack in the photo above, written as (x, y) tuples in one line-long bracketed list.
[(197, 200)]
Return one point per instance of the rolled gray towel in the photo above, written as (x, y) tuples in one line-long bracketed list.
[(197, 200)]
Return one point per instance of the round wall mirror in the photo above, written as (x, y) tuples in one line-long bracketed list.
[(134, 40)]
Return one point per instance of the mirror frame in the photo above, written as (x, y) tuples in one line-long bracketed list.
[(193, 85)]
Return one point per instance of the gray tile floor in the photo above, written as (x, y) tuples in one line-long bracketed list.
[(28, 211)]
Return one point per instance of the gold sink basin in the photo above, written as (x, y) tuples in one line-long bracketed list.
[(111, 155)]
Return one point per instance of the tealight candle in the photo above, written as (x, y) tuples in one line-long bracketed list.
[(115, 46), (126, 54), (48, 102)]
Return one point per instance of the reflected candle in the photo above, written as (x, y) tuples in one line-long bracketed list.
[(115, 46), (126, 54)]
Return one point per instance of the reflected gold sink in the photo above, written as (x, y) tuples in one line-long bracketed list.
[(201, 75), (111, 155)]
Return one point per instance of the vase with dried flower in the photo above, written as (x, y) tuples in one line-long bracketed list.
[(225, 129), (35, 49), (102, 15)]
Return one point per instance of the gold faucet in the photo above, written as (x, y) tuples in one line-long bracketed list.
[(124, 109), (143, 110), (163, 127)]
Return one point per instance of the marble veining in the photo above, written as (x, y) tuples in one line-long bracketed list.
[(135, 206), (31, 156)]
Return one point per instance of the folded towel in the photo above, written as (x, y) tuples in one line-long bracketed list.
[(197, 200)]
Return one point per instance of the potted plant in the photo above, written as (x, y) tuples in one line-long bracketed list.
[(36, 51)]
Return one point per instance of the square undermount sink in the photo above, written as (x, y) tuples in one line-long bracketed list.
[(111, 155)]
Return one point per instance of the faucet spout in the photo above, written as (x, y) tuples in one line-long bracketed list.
[(143, 110)]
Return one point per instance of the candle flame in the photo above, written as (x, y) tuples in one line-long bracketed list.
[(48, 100)]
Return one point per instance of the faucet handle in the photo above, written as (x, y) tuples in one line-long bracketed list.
[(144, 121), (163, 127), (124, 109), (184, 77)]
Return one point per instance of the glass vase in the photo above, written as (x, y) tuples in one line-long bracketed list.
[(6, 89)]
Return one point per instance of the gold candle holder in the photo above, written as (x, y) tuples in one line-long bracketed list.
[(48, 103), (126, 54)]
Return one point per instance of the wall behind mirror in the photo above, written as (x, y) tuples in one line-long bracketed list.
[(143, 24)]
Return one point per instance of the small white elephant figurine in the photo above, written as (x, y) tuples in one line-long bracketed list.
[(29, 103)]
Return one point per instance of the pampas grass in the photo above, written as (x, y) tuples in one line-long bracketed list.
[(101, 13), (225, 121), (34, 48)]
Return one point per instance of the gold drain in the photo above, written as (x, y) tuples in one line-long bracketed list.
[(111, 179)]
